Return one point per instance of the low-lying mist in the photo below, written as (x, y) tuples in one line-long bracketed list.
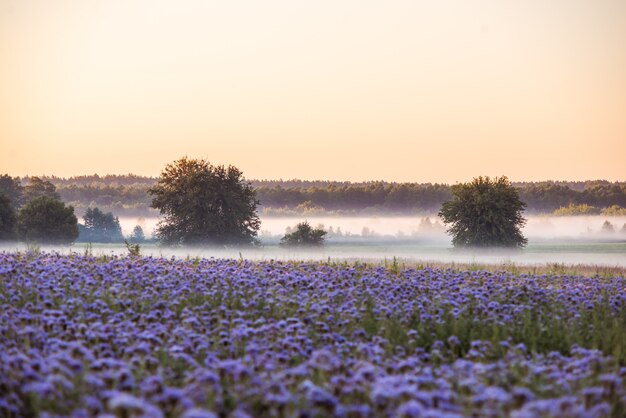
[(610, 254), (425, 228), (566, 240)]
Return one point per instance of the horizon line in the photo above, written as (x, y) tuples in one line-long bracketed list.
[(323, 180)]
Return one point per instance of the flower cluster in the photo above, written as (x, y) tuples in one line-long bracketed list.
[(154, 337)]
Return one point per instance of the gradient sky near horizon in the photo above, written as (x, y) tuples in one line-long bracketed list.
[(421, 91)]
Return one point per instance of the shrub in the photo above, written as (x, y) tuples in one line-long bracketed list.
[(304, 236)]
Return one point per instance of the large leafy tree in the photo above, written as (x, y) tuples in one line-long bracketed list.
[(47, 220), (7, 218), (485, 213), (205, 204), (304, 236)]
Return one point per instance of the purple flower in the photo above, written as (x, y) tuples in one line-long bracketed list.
[(410, 409), (198, 413)]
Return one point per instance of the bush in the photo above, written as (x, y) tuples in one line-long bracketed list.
[(304, 236)]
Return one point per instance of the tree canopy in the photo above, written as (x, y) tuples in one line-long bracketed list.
[(128, 195), (12, 188), (101, 227), (138, 236), (204, 204), (485, 213), (38, 187), (8, 218), (304, 236), (47, 220)]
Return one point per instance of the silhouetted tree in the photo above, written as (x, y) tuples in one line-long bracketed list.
[(38, 187), (137, 237), (47, 220), (304, 236), (12, 189), (607, 227), (205, 204), (485, 213), (8, 218), (101, 227)]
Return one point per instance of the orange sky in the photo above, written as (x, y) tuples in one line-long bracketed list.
[(345, 90)]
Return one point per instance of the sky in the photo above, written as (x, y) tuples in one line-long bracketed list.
[(424, 91)]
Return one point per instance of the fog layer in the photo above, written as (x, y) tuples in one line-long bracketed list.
[(421, 228), (568, 240)]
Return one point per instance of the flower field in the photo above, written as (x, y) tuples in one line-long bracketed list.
[(128, 337)]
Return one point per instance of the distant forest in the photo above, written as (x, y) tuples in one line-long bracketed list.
[(127, 195)]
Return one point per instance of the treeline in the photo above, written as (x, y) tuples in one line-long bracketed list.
[(127, 195), (365, 197), (129, 200), (35, 213), (120, 194)]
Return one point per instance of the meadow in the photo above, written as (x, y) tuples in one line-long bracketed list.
[(109, 335)]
